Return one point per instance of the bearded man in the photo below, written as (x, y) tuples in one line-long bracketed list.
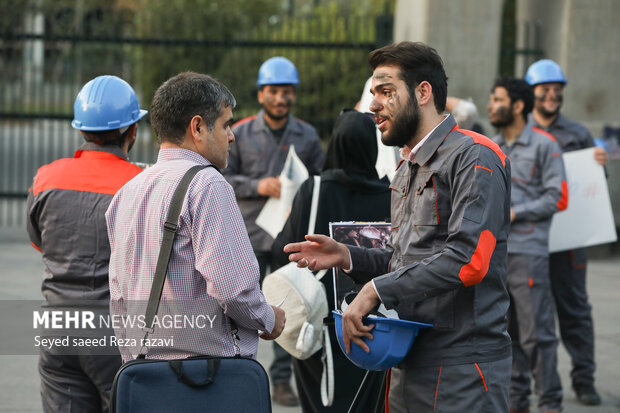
[(257, 156), (446, 260), (539, 190)]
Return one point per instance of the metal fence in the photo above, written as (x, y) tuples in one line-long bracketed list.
[(47, 52)]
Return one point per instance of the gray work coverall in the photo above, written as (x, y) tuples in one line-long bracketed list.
[(447, 257), (256, 154), (66, 223), (567, 270), (539, 189)]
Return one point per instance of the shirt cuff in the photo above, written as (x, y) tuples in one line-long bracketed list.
[(375, 287), (348, 271)]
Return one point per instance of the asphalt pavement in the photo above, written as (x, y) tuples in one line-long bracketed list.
[(21, 271)]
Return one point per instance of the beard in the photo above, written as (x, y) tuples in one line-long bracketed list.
[(504, 117), (405, 126), (275, 116), (270, 102), (540, 107)]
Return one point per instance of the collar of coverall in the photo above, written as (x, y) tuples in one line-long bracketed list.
[(560, 122), (524, 138), (423, 151), (89, 146)]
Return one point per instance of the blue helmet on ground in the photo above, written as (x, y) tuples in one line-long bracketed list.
[(392, 340), (544, 71), (106, 103), (277, 71)]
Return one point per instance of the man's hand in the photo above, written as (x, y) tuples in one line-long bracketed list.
[(352, 327), (600, 155), (319, 252), (512, 215), (269, 186), (278, 326)]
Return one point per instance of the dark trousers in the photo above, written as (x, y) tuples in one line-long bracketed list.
[(280, 370), (76, 383), (472, 387), (531, 324), (568, 284)]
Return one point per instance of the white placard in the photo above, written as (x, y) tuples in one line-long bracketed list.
[(273, 215), (588, 220)]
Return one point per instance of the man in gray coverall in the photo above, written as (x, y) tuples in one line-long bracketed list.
[(66, 223), (256, 159), (446, 260), (568, 268), (539, 190)]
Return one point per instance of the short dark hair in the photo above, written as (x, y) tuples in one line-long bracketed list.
[(518, 89), (115, 137), (418, 62), (184, 96)]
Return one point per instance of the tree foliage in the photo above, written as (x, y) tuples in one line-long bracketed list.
[(148, 41)]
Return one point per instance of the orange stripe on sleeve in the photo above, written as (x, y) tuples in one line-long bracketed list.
[(473, 272), (483, 140), (563, 202), (544, 132), (244, 120), (35, 247)]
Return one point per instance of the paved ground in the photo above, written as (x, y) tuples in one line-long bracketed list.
[(21, 269)]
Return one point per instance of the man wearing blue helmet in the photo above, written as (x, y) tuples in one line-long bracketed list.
[(66, 223), (257, 156), (567, 268)]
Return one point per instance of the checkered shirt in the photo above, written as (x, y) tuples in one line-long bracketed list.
[(212, 275)]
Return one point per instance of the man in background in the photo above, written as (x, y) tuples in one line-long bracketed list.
[(567, 268), (256, 160), (538, 190), (66, 223)]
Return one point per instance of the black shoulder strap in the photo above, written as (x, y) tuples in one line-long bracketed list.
[(170, 230)]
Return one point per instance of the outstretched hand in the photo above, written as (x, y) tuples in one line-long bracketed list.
[(318, 252)]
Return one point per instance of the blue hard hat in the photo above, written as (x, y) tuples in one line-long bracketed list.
[(106, 103), (392, 340), (600, 142), (544, 71), (277, 71)]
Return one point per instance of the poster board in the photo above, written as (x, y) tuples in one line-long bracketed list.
[(276, 210), (589, 219), (361, 234)]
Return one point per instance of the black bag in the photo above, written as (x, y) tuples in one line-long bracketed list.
[(226, 384), (208, 384)]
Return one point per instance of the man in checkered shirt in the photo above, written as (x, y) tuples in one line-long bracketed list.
[(213, 275)]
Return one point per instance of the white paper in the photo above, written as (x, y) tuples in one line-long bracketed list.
[(588, 220), (273, 215)]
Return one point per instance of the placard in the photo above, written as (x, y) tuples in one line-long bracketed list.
[(588, 220)]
